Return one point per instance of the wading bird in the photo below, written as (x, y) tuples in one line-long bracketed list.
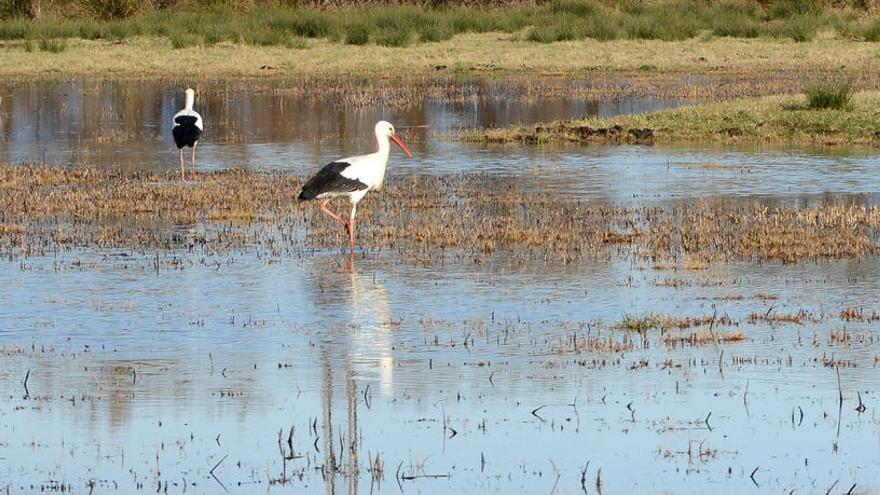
[(353, 177), (187, 129)]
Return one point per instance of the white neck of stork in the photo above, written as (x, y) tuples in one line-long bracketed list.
[(190, 98), (384, 134)]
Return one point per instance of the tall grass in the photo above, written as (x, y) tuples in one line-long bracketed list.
[(278, 22), (53, 45), (829, 95), (113, 9)]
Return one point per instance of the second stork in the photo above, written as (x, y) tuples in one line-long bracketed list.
[(187, 130)]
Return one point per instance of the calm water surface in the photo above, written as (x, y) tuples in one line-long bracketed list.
[(461, 377)]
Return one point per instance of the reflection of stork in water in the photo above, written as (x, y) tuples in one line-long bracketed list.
[(368, 304)]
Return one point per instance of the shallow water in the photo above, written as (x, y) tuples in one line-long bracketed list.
[(126, 124), (461, 377)]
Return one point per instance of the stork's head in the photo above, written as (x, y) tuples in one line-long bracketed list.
[(384, 130), (190, 93)]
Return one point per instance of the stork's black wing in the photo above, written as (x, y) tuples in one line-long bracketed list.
[(330, 180)]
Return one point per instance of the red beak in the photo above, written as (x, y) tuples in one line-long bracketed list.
[(399, 142)]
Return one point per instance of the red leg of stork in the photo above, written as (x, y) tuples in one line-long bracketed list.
[(194, 160), (182, 167), (351, 228), (332, 215)]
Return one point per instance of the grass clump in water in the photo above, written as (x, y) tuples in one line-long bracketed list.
[(834, 95), (644, 323)]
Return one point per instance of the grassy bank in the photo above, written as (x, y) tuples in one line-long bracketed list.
[(464, 54), (206, 23), (786, 118)]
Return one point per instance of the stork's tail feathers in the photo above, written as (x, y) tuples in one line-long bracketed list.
[(307, 194)]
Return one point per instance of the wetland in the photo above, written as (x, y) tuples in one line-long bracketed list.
[(668, 317)]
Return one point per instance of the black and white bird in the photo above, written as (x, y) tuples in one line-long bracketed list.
[(187, 130), (353, 177)]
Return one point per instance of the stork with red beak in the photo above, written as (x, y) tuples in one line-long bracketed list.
[(353, 177)]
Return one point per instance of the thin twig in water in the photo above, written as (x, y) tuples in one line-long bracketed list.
[(27, 394), (752, 476), (211, 472), (397, 476), (535, 413), (828, 492), (840, 399), (584, 477), (555, 483)]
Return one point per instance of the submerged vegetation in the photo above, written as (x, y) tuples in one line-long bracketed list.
[(276, 23), (829, 114)]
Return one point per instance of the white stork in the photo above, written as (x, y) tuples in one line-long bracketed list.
[(187, 129), (353, 177)]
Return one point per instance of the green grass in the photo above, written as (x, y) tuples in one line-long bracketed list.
[(53, 45), (357, 34), (183, 40), (813, 119), (869, 31), (399, 37), (801, 28), (398, 25), (834, 95)]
